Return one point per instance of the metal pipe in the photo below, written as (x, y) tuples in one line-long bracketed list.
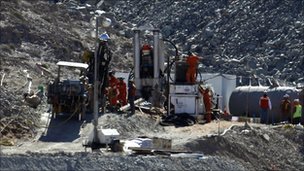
[(136, 43), (96, 83), (156, 55), (3, 75), (58, 73), (161, 61)]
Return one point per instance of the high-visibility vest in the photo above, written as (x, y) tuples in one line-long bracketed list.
[(297, 113), (264, 102)]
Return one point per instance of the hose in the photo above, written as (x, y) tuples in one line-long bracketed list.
[(65, 121)]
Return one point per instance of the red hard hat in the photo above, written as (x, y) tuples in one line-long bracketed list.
[(146, 47)]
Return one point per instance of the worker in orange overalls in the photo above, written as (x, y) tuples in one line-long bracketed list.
[(208, 104), (122, 88), (112, 91), (192, 61)]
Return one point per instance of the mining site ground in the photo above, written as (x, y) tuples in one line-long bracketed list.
[(219, 145)]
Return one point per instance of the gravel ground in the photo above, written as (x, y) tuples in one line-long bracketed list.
[(238, 147), (84, 161)]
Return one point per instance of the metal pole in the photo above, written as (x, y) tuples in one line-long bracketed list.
[(156, 56), (96, 83), (136, 42)]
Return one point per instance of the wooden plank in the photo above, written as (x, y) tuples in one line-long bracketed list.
[(157, 150)]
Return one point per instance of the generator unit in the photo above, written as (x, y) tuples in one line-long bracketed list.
[(185, 97), (68, 96)]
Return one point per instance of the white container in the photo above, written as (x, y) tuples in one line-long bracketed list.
[(184, 104), (106, 136), (184, 89)]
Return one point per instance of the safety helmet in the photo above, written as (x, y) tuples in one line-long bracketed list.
[(286, 96), (146, 47)]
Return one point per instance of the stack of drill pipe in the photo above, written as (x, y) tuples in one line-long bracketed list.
[(127, 107)]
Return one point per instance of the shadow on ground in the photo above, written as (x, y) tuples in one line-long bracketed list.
[(64, 129)]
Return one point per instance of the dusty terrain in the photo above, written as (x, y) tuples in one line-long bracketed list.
[(35, 31), (216, 146)]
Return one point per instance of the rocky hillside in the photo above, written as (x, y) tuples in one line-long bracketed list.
[(262, 38), (248, 37)]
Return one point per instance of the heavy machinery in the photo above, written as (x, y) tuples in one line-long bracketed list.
[(68, 96), (150, 75), (148, 62)]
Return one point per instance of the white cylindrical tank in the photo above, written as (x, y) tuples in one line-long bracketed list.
[(244, 100)]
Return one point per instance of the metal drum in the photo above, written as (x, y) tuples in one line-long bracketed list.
[(180, 72), (244, 100)]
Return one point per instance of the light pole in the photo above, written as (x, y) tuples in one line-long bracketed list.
[(105, 23)]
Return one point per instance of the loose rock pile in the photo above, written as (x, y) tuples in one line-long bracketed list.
[(131, 127), (85, 161), (258, 148), (249, 37), (17, 120)]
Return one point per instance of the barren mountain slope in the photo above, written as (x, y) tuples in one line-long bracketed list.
[(237, 37)]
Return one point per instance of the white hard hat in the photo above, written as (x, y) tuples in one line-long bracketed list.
[(106, 22), (296, 100), (286, 96)]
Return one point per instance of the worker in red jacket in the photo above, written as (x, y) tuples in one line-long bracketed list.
[(122, 88), (192, 61), (265, 105), (112, 91)]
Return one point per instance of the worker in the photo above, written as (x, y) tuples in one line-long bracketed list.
[(265, 105), (301, 96), (112, 90), (208, 104), (122, 88), (192, 61), (131, 95), (297, 110), (31, 99), (285, 108), (88, 88), (162, 99), (40, 93), (87, 55), (146, 65)]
